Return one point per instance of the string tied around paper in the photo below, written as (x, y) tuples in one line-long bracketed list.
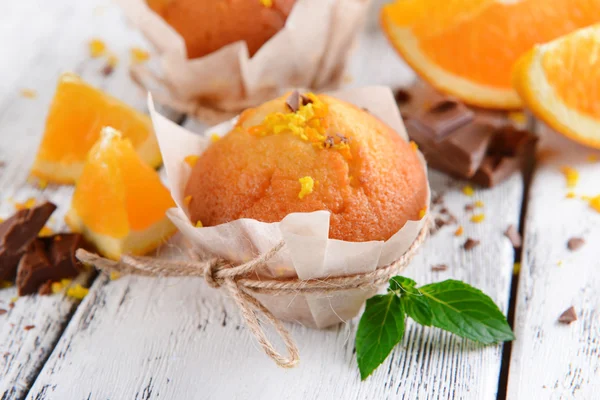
[(241, 280)]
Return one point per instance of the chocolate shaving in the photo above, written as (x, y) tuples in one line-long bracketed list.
[(3, 311), (305, 100), (514, 236), (568, 316), (575, 243), (28, 327), (471, 243), (293, 101), (439, 268), (402, 96)]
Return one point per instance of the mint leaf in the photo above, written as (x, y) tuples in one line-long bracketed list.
[(380, 329), (465, 311)]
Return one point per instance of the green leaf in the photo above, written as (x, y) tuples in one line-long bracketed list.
[(380, 329), (466, 311), (414, 303)]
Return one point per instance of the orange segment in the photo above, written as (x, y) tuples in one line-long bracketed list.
[(560, 82), (119, 202), (468, 47), (77, 114)]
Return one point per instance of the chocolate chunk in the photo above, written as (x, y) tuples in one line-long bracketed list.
[(439, 268), (48, 259), (568, 316), (470, 244), (293, 101), (17, 232), (3, 311), (470, 143), (575, 243), (402, 96), (514, 236)]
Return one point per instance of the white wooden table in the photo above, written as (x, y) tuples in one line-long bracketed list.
[(141, 338)]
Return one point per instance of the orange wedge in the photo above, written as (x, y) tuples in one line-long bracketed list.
[(77, 114), (560, 82), (467, 48), (119, 202)]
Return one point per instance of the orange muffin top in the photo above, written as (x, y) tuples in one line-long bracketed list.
[(309, 153), (208, 25)]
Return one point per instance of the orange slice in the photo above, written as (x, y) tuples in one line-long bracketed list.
[(560, 82), (467, 48), (77, 114), (119, 202)]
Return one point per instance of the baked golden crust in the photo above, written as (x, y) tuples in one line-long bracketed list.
[(370, 179), (208, 25)]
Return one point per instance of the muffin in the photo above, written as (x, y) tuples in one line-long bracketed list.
[(208, 25), (308, 153)]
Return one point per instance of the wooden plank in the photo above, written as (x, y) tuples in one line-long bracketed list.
[(46, 38), (177, 338), (552, 360)]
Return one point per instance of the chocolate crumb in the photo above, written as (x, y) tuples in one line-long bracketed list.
[(439, 223), (305, 100), (3, 311), (343, 139), (443, 106), (451, 219), (575, 243), (438, 199), (28, 327), (365, 109), (11, 304), (293, 101), (469, 207), (444, 211), (108, 70), (329, 142), (402, 96), (513, 235), (568, 316), (470, 244), (439, 268)]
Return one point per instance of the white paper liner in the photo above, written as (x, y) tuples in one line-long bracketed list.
[(310, 51), (308, 252)]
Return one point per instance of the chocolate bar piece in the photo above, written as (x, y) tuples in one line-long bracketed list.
[(48, 259), (17, 232), (469, 143)]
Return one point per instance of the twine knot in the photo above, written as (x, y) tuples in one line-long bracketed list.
[(240, 280)]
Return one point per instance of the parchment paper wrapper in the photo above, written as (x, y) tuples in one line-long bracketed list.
[(308, 252), (311, 51)]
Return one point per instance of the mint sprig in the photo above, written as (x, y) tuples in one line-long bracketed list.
[(450, 305)]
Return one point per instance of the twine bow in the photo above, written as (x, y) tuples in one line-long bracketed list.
[(239, 281)]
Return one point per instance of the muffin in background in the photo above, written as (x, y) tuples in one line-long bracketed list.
[(208, 25), (309, 153)]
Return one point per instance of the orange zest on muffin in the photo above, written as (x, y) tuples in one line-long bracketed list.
[(309, 153)]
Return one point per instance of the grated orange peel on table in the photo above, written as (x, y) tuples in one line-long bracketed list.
[(560, 80), (119, 203), (77, 114), (467, 48)]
